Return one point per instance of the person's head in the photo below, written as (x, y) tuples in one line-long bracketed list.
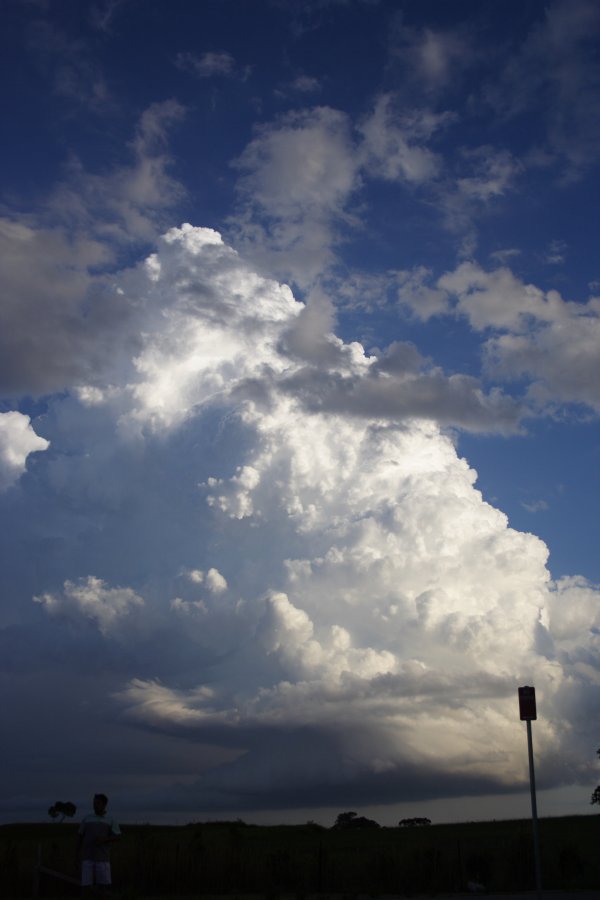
[(100, 804)]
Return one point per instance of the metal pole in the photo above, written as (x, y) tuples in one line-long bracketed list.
[(534, 818)]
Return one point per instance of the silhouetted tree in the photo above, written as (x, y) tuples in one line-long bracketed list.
[(344, 819), (351, 820), (62, 809), (403, 823)]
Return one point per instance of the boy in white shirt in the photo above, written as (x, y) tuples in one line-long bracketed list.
[(96, 833)]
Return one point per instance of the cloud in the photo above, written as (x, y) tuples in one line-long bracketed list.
[(104, 12), (495, 171), (304, 177), (503, 256), (497, 299), (535, 506), (338, 377), (394, 143), (205, 343), (531, 334), (69, 65), (17, 441), (431, 60), (61, 321), (550, 341), (298, 176), (437, 54), (564, 93), (209, 65), (297, 584), (295, 165), (473, 187), (305, 84), (215, 582), (300, 86), (92, 599), (556, 253), (301, 175), (455, 400), (45, 278), (128, 203), (311, 336), (303, 181), (561, 360)]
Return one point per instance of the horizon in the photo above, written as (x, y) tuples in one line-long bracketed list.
[(283, 824), (509, 808)]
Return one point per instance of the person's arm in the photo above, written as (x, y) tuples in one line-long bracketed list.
[(109, 839), (113, 835)]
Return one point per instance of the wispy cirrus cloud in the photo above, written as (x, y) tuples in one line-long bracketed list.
[(104, 12), (128, 202), (395, 142), (212, 63), (73, 69), (565, 92)]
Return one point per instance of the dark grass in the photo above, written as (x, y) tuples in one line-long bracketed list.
[(232, 858)]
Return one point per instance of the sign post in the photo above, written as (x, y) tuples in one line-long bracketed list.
[(527, 713)]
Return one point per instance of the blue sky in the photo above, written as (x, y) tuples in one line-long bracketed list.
[(299, 394)]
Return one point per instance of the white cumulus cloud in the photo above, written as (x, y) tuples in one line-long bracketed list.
[(302, 577), (90, 598), (17, 440)]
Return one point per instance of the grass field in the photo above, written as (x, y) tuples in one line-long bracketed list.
[(204, 859)]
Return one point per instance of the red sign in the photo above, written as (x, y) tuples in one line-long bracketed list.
[(527, 708)]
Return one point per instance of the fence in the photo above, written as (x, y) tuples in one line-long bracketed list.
[(40, 869)]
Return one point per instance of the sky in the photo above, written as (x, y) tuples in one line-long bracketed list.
[(299, 407)]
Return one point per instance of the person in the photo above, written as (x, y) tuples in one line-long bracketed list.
[(96, 833)]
